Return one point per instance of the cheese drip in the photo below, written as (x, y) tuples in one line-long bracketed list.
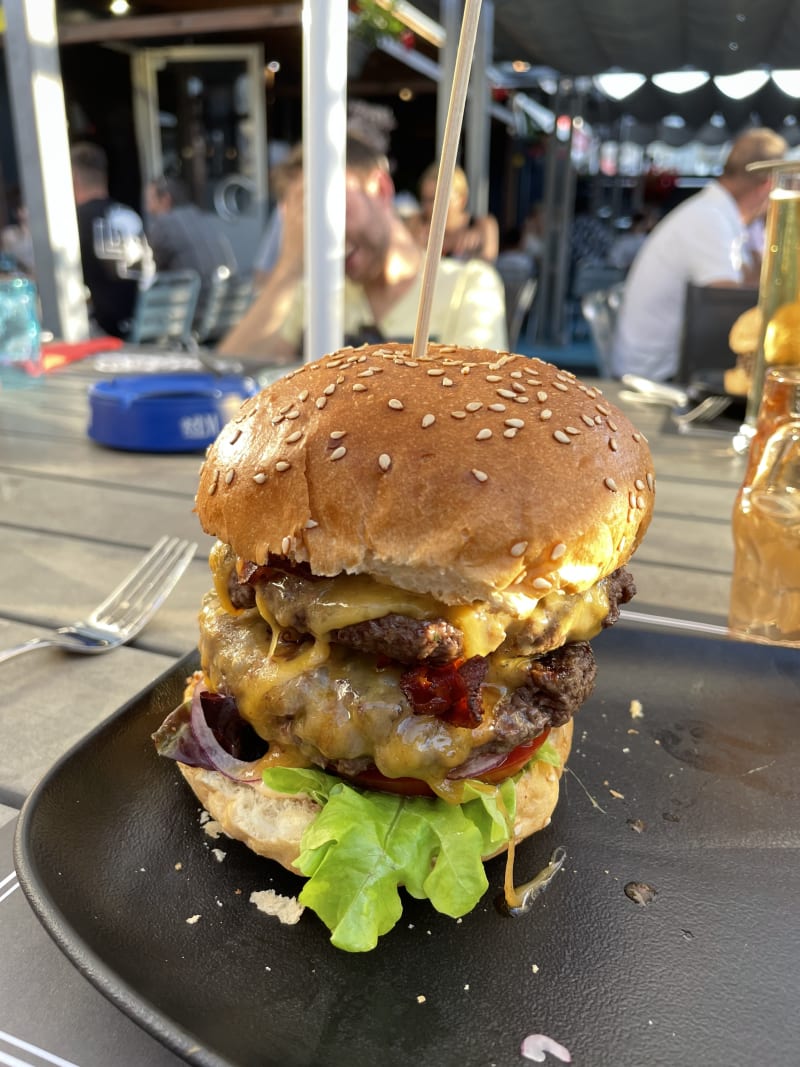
[(332, 603)]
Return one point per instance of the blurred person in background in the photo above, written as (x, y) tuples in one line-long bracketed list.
[(183, 237), (115, 254), (703, 241), (465, 236), (281, 177), (383, 269)]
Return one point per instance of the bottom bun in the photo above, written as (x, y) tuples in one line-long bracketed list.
[(272, 824)]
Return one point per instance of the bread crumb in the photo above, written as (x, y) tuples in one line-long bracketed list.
[(193, 919), (636, 709), (179, 866), (535, 968), (614, 793), (421, 999), (213, 828), (218, 854), (287, 909), (204, 817)]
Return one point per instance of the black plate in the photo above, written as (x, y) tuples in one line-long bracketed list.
[(707, 973)]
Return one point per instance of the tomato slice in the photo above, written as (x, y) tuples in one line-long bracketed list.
[(515, 760), (371, 778)]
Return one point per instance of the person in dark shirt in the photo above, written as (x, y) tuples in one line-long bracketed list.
[(114, 251), (183, 237)]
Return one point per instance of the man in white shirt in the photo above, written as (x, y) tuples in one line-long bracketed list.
[(383, 265), (703, 241)]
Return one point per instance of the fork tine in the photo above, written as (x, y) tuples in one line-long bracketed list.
[(140, 595)]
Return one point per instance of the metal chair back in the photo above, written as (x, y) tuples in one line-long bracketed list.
[(600, 308), (708, 314), (229, 296), (165, 310)]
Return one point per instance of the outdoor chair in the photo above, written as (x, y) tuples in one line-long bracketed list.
[(708, 314), (600, 308), (165, 310), (229, 296)]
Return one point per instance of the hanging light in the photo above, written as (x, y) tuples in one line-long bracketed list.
[(788, 81), (745, 83), (617, 84), (680, 81)]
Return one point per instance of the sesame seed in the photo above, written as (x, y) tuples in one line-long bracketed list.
[(612, 444), (396, 405), (259, 478), (639, 484), (588, 420), (334, 363), (541, 395), (428, 420), (435, 372), (484, 434), (337, 435), (282, 466), (230, 476), (558, 551), (650, 481), (366, 373), (516, 423), (603, 409), (338, 452), (632, 500), (609, 483), (303, 396), (321, 401), (293, 414), (612, 426), (286, 544), (493, 378), (640, 502), (447, 381), (497, 407), (329, 390), (213, 487), (541, 583), (475, 405), (637, 437), (545, 414), (459, 414), (598, 420), (519, 548), (508, 394), (236, 435), (572, 430), (294, 436), (510, 432), (560, 385), (278, 419), (311, 524), (521, 399), (518, 387), (515, 374), (481, 476), (562, 437), (384, 461), (359, 388)]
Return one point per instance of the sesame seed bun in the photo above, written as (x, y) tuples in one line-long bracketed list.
[(465, 474), (272, 824), (745, 333)]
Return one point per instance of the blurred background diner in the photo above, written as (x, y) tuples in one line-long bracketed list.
[(565, 165)]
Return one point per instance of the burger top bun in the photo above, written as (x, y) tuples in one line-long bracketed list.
[(272, 824), (464, 474), (744, 334)]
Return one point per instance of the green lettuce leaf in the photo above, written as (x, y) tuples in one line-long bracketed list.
[(364, 845)]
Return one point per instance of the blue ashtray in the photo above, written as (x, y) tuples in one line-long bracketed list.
[(164, 412)]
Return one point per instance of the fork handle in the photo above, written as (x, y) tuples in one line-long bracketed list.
[(26, 646)]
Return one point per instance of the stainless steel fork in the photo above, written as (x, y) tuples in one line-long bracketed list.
[(706, 411), (126, 610)]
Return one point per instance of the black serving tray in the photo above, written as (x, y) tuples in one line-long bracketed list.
[(112, 857)]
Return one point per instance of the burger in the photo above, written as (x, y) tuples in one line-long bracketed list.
[(743, 340), (412, 555)]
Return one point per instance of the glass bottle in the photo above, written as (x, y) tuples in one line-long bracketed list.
[(20, 332), (765, 587), (779, 283)]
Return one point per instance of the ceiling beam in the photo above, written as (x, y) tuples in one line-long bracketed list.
[(225, 20)]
